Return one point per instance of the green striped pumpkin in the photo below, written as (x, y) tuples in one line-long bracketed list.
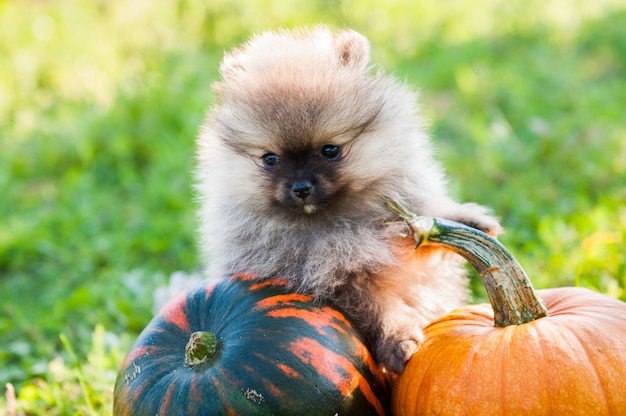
[(247, 346)]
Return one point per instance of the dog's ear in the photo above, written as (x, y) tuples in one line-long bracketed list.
[(232, 63), (352, 49)]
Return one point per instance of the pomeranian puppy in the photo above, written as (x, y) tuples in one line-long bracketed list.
[(295, 163)]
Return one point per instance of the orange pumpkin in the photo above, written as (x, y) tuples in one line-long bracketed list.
[(565, 355)]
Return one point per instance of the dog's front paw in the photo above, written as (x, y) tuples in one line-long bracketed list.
[(476, 216), (393, 353)]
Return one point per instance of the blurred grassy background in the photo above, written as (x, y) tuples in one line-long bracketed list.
[(100, 102)]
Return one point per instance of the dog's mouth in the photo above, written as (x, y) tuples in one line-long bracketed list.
[(310, 208), (304, 206), (309, 197)]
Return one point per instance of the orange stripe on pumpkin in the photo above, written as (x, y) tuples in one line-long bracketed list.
[(337, 315), (318, 318), (195, 392), (338, 370), (138, 352), (174, 314), (364, 353), (125, 394), (282, 300), (244, 276), (288, 370), (371, 397), (270, 282), (208, 291), (272, 389), (167, 400)]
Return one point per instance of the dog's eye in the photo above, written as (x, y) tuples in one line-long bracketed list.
[(270, 160), (330, 151)]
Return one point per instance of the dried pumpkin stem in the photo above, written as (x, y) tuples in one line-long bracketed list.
[(201, 348), (509, 289)]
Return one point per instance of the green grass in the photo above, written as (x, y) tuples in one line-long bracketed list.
[(100, 103)]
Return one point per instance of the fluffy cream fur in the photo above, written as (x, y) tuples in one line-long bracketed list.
[(290, 93)]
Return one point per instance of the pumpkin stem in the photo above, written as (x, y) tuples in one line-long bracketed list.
[(509, 289), (200, 348)]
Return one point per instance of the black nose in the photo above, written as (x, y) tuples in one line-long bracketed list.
[(302, 189)]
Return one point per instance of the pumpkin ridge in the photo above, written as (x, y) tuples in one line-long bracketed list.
[(401, 394), (502, 358), (566, 302), (474, 397), (597, 318), (603, 352), (553, 380), (524, 333), (591, 358)]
